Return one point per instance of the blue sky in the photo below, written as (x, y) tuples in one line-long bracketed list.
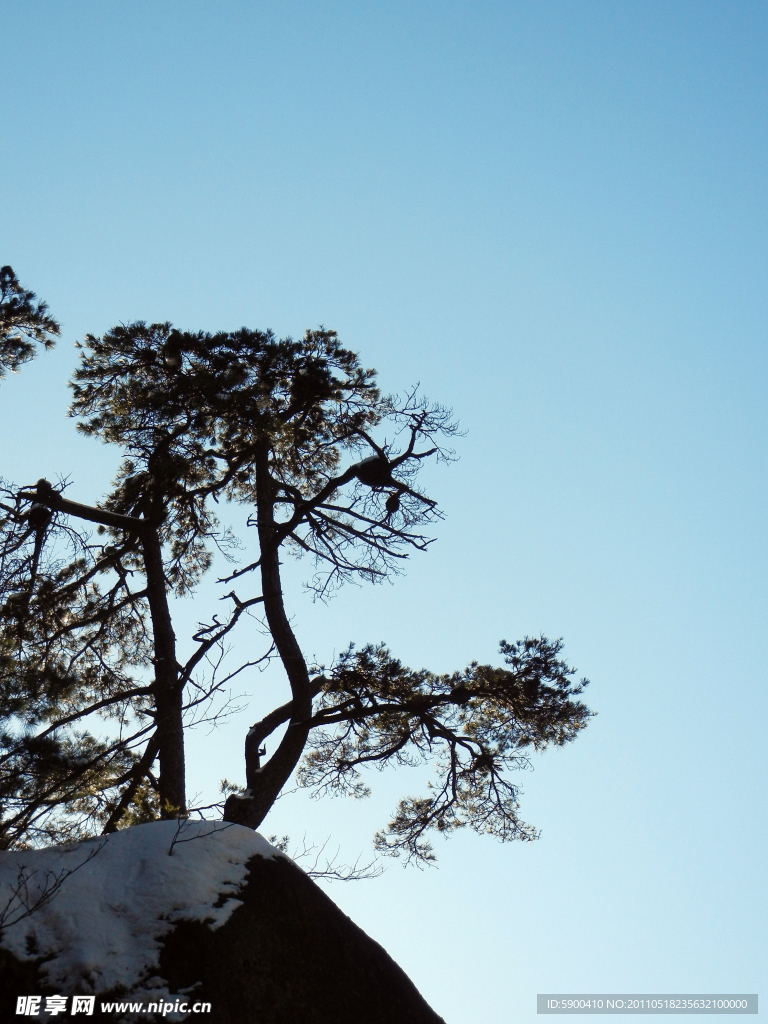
[(553, 216)]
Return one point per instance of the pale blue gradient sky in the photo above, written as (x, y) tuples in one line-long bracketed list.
[(553, 216)]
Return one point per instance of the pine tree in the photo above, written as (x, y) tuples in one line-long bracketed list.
[(293, 430)]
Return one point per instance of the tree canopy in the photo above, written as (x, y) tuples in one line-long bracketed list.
[(94, 700), (23, 321)]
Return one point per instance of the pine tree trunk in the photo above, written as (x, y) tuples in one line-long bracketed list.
[(168, 693), (264, 784)]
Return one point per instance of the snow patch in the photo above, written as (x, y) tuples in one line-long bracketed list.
[(103, 927)]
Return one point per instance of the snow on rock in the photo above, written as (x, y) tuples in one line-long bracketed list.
[(106, 915)]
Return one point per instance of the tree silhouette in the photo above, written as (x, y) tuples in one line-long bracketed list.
[(22, 322), (299, 433)]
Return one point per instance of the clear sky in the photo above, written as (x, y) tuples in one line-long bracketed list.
[(552, 215)]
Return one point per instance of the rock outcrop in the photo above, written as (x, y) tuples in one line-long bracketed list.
[(290, 955), (285, 954)]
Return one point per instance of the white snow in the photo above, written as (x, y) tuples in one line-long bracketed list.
[(104, 924)]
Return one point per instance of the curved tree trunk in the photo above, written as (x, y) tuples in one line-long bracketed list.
[(264, 784)]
